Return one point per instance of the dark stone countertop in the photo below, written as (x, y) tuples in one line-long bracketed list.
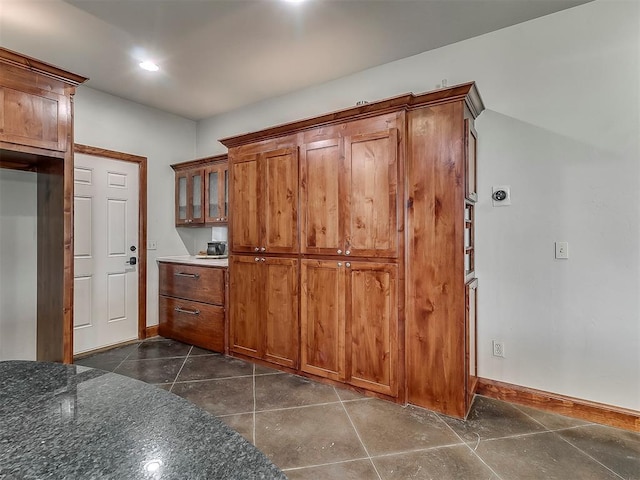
[(71, 422)]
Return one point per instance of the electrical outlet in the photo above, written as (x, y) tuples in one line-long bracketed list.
[(562, 249), (152, 245), (498, 349)]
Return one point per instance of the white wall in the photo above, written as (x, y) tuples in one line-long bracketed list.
[(105, 121), (562, 128), (18, 265)]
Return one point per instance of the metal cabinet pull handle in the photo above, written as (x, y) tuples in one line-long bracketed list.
[(257, 259), (262, 259), (256, 249), (347, 264), (190, 275), (190, 312), (262, 249), (347, 252), (339, 264), (339, 252)]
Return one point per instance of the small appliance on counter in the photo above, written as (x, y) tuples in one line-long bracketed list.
[(214, 250)]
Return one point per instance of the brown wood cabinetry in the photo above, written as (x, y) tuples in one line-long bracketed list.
[(388, 289), (36, 134), (264, 308), (265, 195), (348, 188), (192, 304), (201, 191), (349, 323)]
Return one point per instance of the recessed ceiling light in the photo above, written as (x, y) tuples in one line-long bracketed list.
[(149, 66)]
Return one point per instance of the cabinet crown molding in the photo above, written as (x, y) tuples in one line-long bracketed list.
[(198, 162), (18, 60), (466, 91)]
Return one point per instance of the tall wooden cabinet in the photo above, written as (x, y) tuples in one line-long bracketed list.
[(36, 134), (383, 237)]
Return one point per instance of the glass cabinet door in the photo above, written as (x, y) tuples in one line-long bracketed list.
[(214, 195), (181, 200), (225, 174), (197, 214)]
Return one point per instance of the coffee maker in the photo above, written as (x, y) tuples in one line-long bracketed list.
[(216, 248)]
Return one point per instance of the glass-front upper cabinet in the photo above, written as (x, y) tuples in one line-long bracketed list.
[(202, 191), (217, 193), (189, 197)]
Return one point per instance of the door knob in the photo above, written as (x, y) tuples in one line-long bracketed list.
[(131, 261), (132, 248)]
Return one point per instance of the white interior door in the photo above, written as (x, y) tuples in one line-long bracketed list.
[(106, 238)]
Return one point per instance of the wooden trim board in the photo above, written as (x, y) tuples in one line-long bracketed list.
[(151, 331), (561, 404)]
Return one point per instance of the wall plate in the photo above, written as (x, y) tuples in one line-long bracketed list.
[(501, 195)]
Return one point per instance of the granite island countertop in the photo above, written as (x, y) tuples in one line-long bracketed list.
[(191, 260), (66, 421)]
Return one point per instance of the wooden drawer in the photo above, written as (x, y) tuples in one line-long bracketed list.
[(200, 284), (196, 323)]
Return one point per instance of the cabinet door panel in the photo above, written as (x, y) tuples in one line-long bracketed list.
[(322, 319), (37, 118), (320, 172), (196, 196), (372, 326), (245, 232), (182, 210), (471, 323), (281, 311), (245, 310), (372, 173), (280, 220)]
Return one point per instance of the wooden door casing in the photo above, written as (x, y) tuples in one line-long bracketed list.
[(372, 326), (322, 318)]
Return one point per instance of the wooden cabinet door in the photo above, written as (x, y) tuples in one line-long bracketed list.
[(470, 161), (31, 116), (280, 310), (322, 326), (189, 198), (371, 170), (195, 201), (279, 170), (244, 232), (245, 310), (322, 197), (216, 193), (471, 322), (182, 198), (372, 326)]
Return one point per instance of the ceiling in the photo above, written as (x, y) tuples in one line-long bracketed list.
[(218, 55)]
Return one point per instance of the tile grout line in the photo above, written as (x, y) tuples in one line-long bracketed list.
[(293, 469), (357, 434), (473, 451), (181, 367), (589, 456), (253, 386), (126, 357)]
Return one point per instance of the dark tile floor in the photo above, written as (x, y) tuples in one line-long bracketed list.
[(315, 431)]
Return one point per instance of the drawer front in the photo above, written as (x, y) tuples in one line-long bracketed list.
[(196, 323), (200, 284)]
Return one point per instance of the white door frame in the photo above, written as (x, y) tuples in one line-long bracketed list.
[(142, 224)]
